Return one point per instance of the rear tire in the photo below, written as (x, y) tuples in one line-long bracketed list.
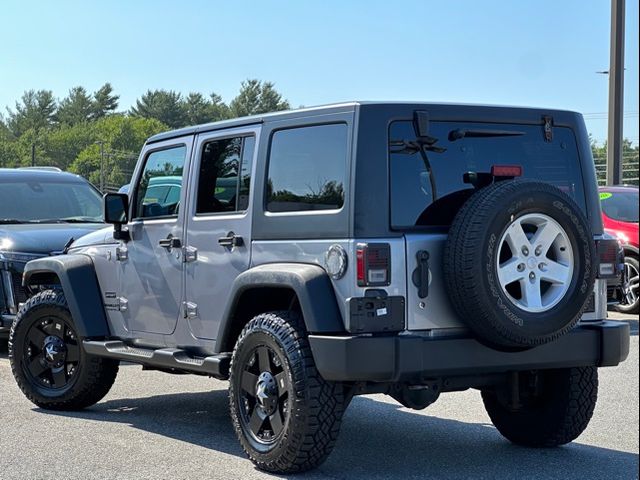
[(286, 416), (48, 361), (556, 406)]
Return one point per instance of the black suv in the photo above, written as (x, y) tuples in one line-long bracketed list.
[(313, 255), (42, 210)]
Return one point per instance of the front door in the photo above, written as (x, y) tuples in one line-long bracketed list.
[(152, 273), (219, 224)]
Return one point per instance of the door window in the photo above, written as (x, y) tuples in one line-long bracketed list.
[(162, 173), (225, 175)]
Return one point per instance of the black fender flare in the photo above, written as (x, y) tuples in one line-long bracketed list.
[(81, 289), (310, 283)]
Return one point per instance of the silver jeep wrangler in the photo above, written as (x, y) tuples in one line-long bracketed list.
[(313, 255)]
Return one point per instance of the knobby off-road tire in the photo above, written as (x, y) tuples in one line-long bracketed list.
[(476, 259), (556, 415), (48, 361), (285, 415)]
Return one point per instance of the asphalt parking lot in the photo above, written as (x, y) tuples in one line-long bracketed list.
[(154, 425)]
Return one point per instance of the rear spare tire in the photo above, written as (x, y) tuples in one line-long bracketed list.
[(518, 263)]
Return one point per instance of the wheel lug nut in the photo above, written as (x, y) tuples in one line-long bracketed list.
[(532, 275), (525, 251), (520, 267), (538, 251)]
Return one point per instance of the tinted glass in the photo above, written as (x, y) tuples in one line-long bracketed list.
[(42, 200), (307, 168), (621, 206), (162, 170), (414, 186), (224, 170), (245, 172)]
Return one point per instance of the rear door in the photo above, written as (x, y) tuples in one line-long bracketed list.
[(151, 277), (425, 195), (219, 224)]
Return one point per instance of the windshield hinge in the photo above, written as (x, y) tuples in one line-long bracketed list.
[(189, 310), (548, 128)]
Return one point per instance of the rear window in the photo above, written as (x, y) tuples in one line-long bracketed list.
[(620, 206), (416, 184)]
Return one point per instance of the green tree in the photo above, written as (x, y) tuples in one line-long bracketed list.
[(122, 138), (257, 97), (197, 109), (219, 110), (35, 110), (629, 161), (105, 102), (166, 106), (77, 107)]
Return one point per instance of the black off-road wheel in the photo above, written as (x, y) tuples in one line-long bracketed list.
[(554, 408), (285, 415), (518, 264), (48, 361)]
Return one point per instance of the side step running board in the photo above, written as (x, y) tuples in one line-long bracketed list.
[(167, 358)]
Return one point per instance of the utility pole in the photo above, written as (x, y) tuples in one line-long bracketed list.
[(33, 154), (616, 94), (101, 143)]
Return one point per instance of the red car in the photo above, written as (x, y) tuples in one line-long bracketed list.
[(620, 216)]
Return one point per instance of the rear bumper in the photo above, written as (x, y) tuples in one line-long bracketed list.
[(412, 358)]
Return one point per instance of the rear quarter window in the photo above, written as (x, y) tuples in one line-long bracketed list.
[(307, 168), (415, 186)]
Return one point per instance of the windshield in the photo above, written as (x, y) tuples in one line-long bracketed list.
[(422, 183), (45, 201), (620, 206)]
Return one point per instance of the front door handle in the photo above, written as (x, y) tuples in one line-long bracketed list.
[(170, 242), (231, 240)]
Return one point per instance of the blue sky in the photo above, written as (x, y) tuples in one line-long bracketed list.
[(539, 53)]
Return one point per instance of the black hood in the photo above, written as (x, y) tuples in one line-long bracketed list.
[(42, 238)]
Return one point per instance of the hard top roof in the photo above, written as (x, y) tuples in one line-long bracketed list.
[(338, 108)]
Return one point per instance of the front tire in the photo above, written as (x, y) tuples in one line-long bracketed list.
[(48, 361), (630, 302), (286, 416), (555, 407)]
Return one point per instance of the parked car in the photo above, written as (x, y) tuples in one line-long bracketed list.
[(620, 217), (314, 255), (42, 210)]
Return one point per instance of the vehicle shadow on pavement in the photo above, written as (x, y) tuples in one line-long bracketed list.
[(378, 440), (633, 326)]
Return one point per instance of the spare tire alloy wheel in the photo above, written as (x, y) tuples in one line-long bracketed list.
[(518, 264), (538, 268)]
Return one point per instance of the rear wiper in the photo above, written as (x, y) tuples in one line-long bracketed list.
[(460, 133)]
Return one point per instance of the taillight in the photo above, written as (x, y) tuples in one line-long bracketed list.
[(373, 264), (610, 258), (506, 170)]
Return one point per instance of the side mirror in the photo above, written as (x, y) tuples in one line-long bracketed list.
[(116, 206)]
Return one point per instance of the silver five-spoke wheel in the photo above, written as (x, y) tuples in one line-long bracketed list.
[(535, 262)]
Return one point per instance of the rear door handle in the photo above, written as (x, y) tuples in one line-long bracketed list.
[(231, 240), (170, 242)]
